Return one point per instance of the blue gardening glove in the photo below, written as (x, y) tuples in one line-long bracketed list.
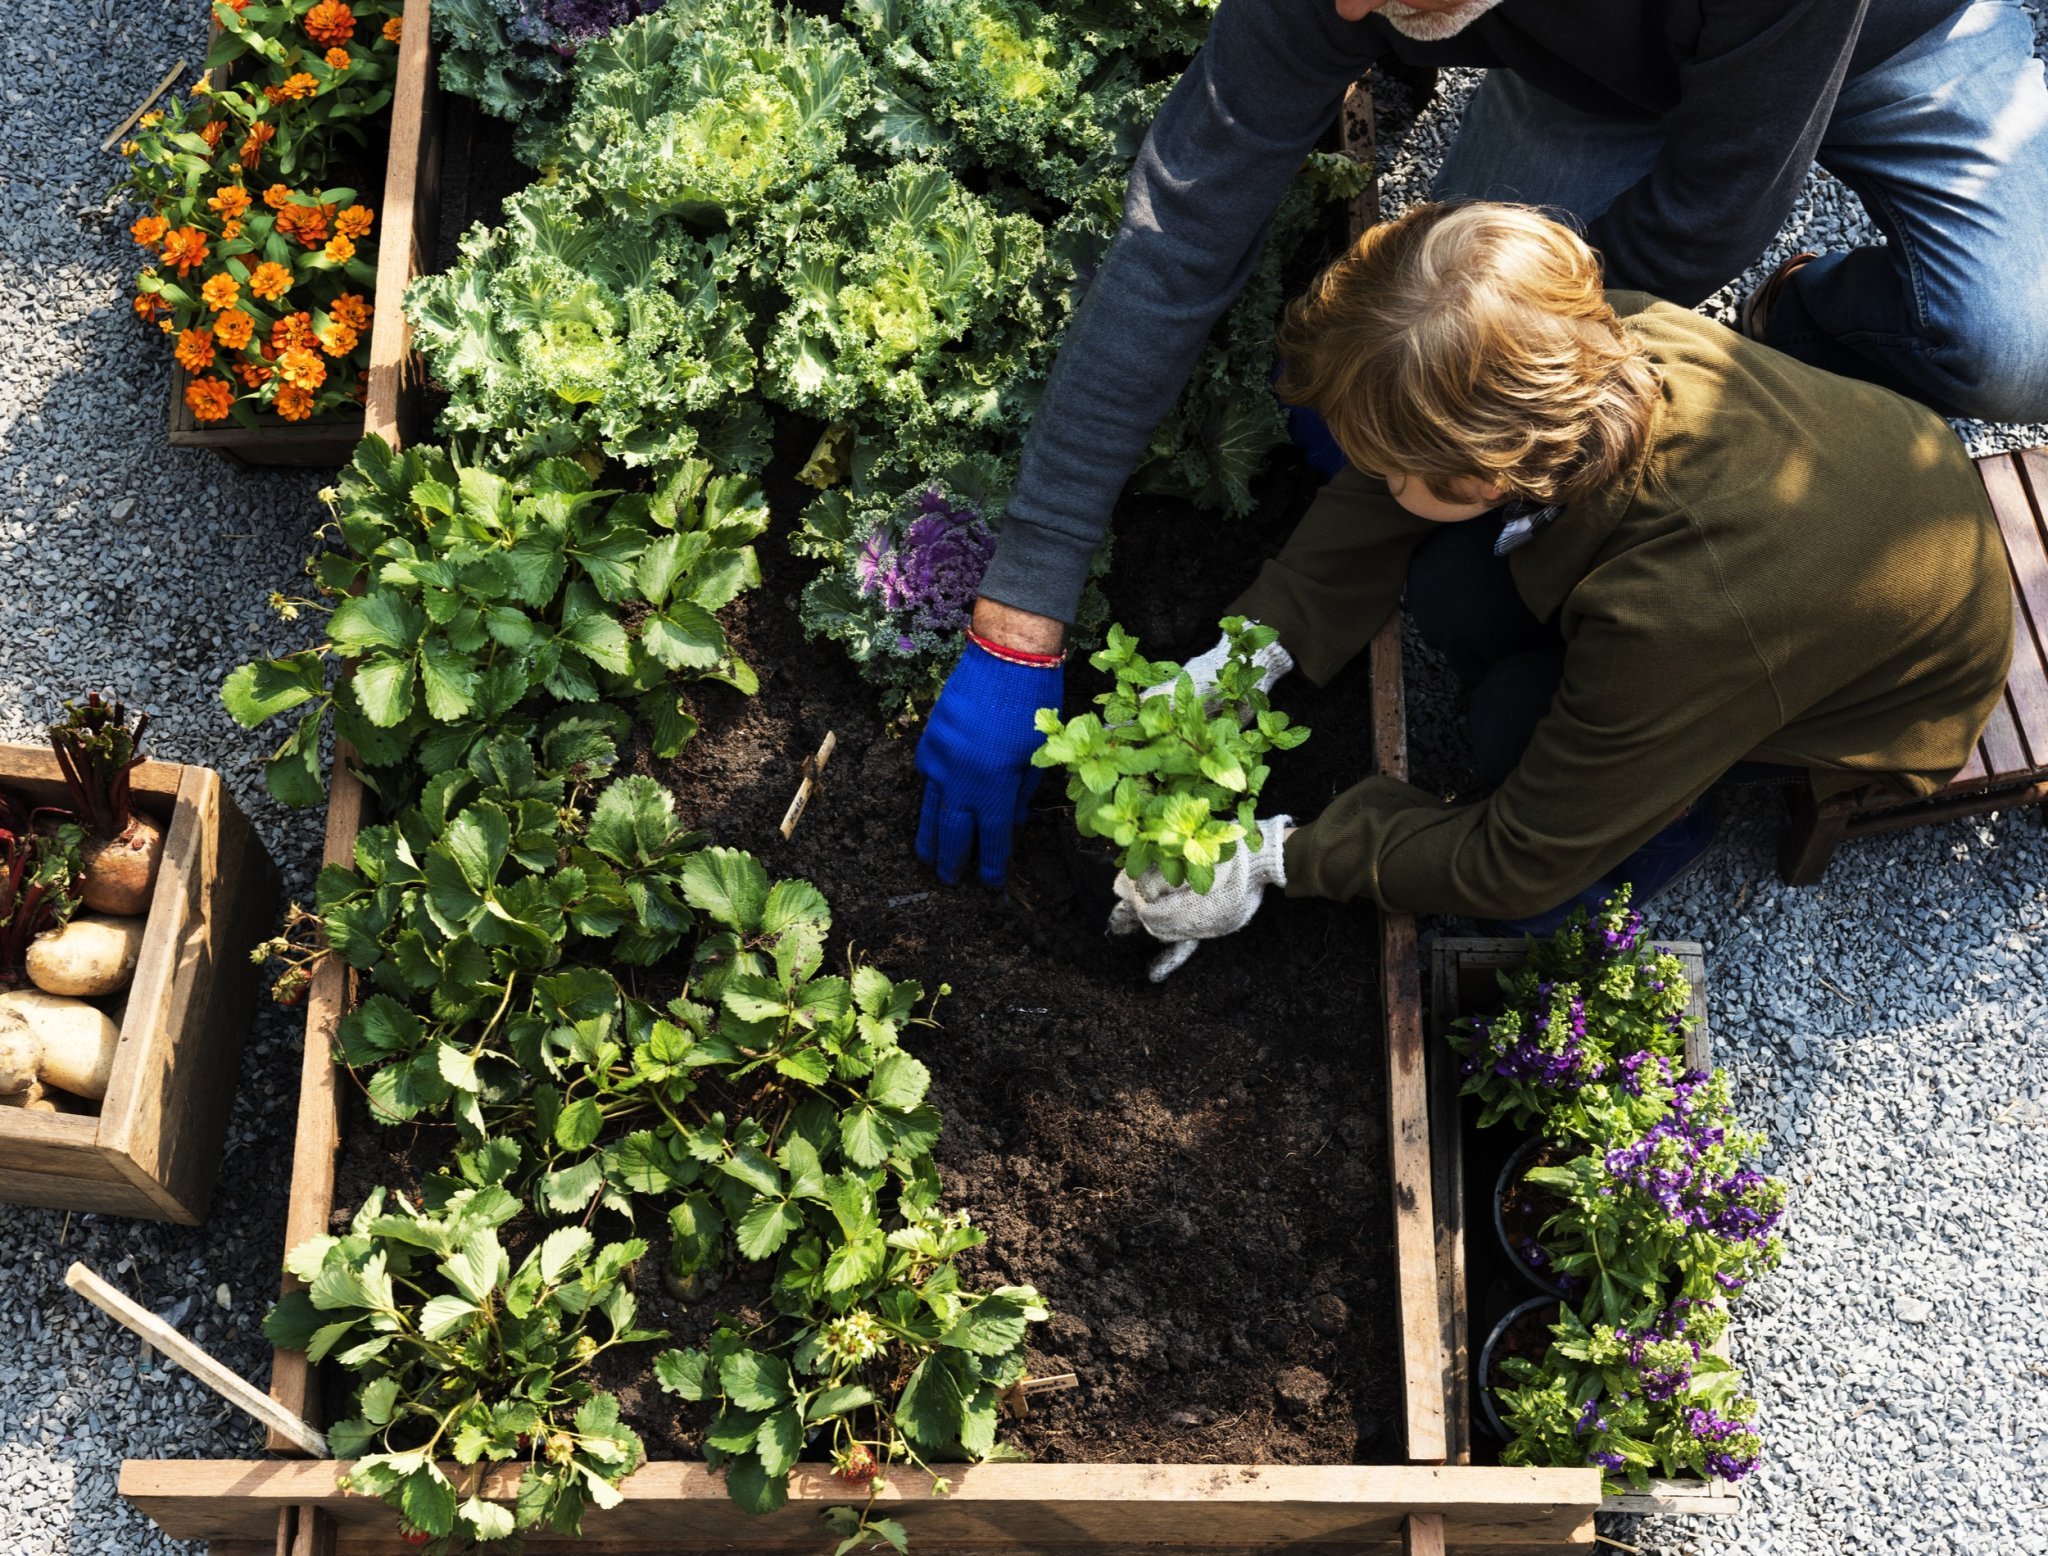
[(975, 755)]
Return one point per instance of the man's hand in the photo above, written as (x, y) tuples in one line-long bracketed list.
[(1184, 917), (975, 753)]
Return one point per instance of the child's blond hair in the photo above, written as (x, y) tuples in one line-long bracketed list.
[(1471, 340)]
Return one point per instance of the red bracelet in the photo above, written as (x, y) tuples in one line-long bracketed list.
[(1016, 656)]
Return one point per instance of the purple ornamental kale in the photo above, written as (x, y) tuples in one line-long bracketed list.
[(934, 570)]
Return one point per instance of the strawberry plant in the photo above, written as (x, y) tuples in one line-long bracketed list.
[(460, 595), (1168, 774), (459, 1354)]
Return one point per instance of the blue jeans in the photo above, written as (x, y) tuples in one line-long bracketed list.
[(1946, 143)]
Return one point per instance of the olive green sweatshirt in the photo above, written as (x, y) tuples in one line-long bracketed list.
[(1798, 569)]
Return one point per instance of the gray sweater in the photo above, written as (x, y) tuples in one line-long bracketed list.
[(1743, 90)]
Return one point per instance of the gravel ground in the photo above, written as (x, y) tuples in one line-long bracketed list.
[(1877, 1025)]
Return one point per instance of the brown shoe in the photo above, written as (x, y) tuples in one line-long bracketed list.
[(1755, 312)]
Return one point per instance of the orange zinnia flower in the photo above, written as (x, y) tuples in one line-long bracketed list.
[(270, 281), (299, 84), (302, 367), (260, 135), (337, 59), (331, 21), (294, 403), (293, 332), (340, 250), (195, 350), (185, 247), (220, 291), (230, 231), (355, 221), (148, 305), (238, 6), (353, 309), (231, 200), (233, 329), (149, 231), (394, 29), (212, 131), (337, 340), (254, 374), (277, 197), (210, 398)]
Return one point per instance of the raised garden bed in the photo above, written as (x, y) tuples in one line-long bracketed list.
[(1463, 973), (408, 219), (153, 1148)]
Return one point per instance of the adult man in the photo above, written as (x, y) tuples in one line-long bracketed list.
[(1677, 131)]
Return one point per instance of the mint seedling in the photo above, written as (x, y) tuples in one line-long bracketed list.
[(1172, 779)]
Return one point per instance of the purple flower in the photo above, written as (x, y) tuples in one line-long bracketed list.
[(1608, 1461), (1731, 1446)]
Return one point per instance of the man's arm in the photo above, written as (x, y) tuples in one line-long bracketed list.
[(1643, 723), (1228, 139), (1753, 105)]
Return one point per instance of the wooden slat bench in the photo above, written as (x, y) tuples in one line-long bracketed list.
[(2009, 768)]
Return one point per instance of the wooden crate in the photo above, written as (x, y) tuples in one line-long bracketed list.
[(1464, 981), (405, 247), (153, 1150)]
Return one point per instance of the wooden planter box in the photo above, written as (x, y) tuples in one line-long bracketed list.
[(1464, 981), (405, 245), (153, 1150), (293, 1507)]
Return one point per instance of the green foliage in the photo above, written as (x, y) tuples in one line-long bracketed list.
[(579, 325), (1172, 779), (463, 598), (458, 1353)]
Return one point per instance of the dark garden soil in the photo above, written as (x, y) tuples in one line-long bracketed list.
[(1526, 1208), (1193, 1174)]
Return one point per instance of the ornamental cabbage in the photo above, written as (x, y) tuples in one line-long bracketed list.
[(512, 57), (563, 330), (712, 121)]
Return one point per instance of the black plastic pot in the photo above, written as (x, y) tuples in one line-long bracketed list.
[(1511, 1170), (1485, 1380)]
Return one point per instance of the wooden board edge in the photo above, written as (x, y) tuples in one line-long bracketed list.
[(414, 92)]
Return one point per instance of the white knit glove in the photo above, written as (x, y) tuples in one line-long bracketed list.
[(1184, 917), (1273, 662)]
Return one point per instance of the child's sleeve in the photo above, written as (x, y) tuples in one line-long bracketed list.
[(1340, 575), (1651, 711)]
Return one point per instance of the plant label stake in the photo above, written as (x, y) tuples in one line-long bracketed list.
[(231, 1386), (129, 123), (1017, 1399), (814, 766)]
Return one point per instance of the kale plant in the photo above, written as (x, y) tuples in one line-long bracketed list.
[(459, 596), (1171, 778), (459, 1354), (580, 325), (512, 57)]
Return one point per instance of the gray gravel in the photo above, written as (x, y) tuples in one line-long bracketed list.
[(142, 572), (1881, 1026)]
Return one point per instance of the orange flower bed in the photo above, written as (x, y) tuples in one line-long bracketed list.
[(266, 300)]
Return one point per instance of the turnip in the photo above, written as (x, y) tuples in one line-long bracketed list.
[(87, 957), (75, 1040), (122, 848)]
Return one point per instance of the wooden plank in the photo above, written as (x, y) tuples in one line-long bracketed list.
[(2004, 752), (1355, 135), (1443, 1080), (412, 202), (2026, 554), (224, 1381), (995, 1506), (1423, 1535)]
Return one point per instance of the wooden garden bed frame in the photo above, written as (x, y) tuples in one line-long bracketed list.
[(153, 1148), (405, 249), (294, 1507)]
